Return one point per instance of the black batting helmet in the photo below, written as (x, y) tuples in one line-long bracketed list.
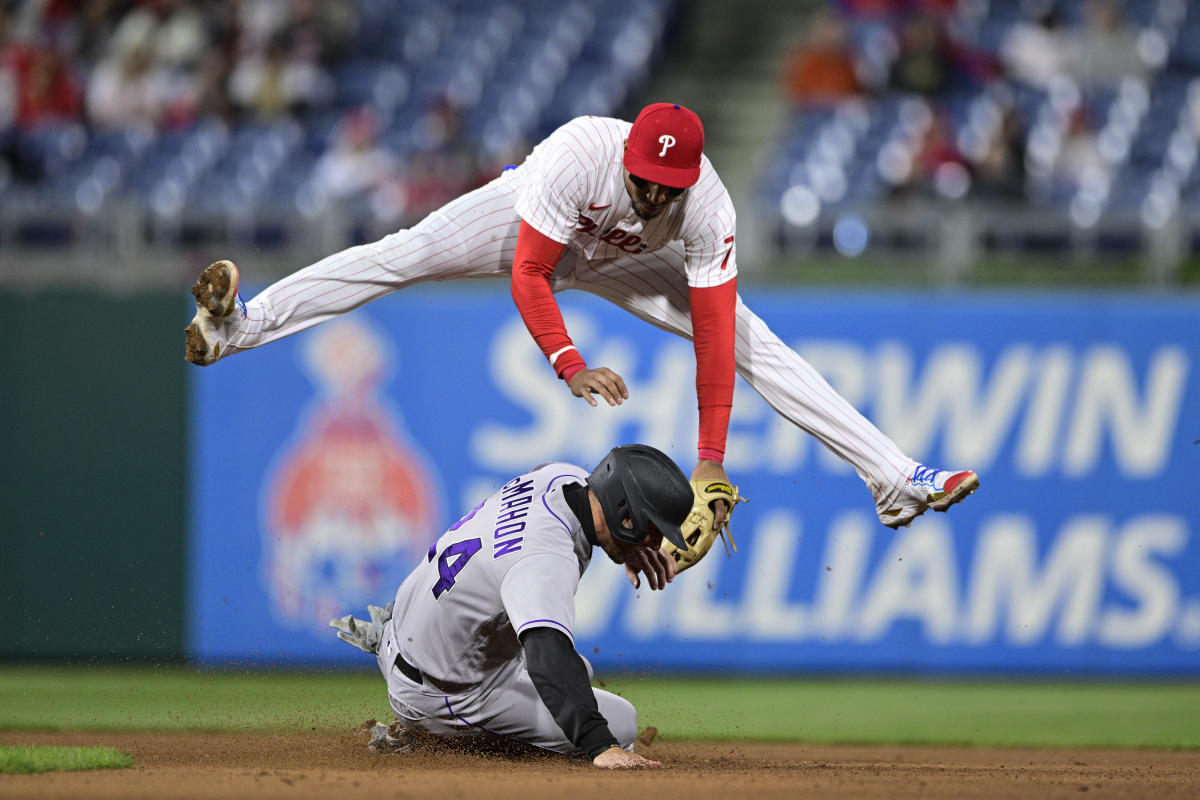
[(644, 484)]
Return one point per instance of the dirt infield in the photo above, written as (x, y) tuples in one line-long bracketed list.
[(307, 766)]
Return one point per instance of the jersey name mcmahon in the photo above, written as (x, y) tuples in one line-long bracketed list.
[(511, 564), (571, 189)]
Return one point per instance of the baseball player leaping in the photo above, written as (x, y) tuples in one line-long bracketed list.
[(479, 643), (635, 214)]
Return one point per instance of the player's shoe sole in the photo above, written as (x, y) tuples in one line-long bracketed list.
[(957, 488), (216, 292)]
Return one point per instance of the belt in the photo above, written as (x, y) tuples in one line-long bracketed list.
[(416, 676), (410, 672)]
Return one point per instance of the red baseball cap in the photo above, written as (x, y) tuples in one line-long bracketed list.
[(665, 145)]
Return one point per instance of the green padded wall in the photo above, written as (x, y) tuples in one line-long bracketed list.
[(91, 488)]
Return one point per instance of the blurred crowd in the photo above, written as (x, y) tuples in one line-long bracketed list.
[(165, 63), (981, 102), (163, 66)]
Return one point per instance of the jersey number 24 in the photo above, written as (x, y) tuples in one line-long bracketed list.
[(455, 557)]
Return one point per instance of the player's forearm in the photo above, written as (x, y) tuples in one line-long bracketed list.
[(713, 331), (533, 264), (561, 680)]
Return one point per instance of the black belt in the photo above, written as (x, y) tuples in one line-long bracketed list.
[(410, 672), (416, 676)]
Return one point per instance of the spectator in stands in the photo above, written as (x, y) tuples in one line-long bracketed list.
[(324, 31), (174, 30), (821, 71), (999, 174), (9, 78), (1104, 50), (925, 64), (911, 165), (277, 81), (128, 89), (260, 21), (447, 163), (1079, 159), (936, 157), (88, 31), (212, 80), (356, 164), (37, 82), (46, 90), (1034, 51)]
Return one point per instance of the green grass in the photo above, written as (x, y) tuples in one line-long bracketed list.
[(1016, 713), (22, 759), (926, 712), (118, 698)]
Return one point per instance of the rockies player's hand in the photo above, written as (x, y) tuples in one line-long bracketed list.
[(601, 380), (713, 471), (616, 758), (658, 567)]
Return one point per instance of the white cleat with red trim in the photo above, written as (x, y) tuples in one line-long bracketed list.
[(928, 488)]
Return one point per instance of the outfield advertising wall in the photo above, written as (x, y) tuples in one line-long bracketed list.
[(325, 464)]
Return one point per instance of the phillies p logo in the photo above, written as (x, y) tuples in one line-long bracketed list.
[(667, 141)]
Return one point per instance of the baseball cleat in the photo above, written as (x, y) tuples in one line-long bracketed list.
[(930, 488), (216, 293), (388, 739)]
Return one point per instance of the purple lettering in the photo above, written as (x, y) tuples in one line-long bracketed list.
[(523, 500), (514, 488), (519, 513), (508, 530), (510, 546)]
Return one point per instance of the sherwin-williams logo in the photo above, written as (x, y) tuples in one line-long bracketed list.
[(350, 505)]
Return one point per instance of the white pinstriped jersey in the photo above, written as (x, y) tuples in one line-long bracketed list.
[(475, 236), (511, 564), (571, 188)]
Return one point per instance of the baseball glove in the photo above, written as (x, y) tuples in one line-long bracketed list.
[(698, 530)]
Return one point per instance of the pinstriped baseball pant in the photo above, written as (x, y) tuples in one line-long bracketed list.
[(475, 236)]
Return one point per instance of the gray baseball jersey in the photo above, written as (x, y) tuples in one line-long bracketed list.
[(511, 564)]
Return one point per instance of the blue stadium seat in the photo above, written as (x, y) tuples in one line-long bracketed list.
[(280, 192), (54, 146)]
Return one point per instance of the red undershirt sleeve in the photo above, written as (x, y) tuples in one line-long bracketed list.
[(533, 265), (713, 327)]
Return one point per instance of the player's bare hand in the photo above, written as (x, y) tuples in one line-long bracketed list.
[(713, 471), (602, 381), (616, 758), (658, 567)]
